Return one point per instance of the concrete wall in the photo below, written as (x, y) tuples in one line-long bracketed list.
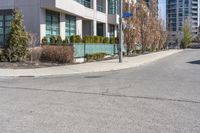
[(87, 27), (30, 10), (7, 4)]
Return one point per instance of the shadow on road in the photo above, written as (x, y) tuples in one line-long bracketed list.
[(197, 62)]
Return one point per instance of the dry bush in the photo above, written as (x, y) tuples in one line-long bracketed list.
[(34, 54), (57, 54)]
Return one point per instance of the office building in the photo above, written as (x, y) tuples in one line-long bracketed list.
[(177, 12)]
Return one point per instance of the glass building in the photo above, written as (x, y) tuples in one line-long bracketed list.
[(177, 12)]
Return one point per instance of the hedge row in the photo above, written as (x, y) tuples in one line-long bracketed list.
[(95, 56), (53, 40)]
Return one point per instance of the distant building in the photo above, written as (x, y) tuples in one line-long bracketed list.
[(177, 12)]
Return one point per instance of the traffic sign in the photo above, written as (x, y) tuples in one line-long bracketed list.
[(127, 15)]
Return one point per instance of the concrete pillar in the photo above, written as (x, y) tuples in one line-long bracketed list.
[(94, 28), (62, 25), (105, 30), (106, 6), (42, 23), (94, 4), (79, 26), (116, 31)]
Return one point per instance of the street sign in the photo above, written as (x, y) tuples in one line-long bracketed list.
[(127, 15)]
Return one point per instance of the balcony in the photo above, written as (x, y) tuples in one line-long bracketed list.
[(76, 8), (100, 8), (84, 2)]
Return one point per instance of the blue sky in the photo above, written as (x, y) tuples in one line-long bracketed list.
[(162, 9)]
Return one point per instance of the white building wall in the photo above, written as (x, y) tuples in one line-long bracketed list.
[(34, 12), (79, 26), (42, 23), (62, 25)]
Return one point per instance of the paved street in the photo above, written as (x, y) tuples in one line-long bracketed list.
[(160, 97)]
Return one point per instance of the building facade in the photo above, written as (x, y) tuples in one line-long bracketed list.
[(62, 17), (177, 12)]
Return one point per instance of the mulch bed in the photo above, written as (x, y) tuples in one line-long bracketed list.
[(32, 65), (27, 65)]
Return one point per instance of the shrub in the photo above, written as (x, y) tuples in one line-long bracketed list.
[(148, 49), (106, 40), (91, 39), (116, 40), (101, 39), (138, 51), (112, 40), (16, 49), (96, 39), (44, 41), (95, 56), (66, 41), (57, 54), (52, 40), (2, 56), (85, 39), (75, 39), (59, 40)]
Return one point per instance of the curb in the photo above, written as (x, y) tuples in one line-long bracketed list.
[(93, 67)]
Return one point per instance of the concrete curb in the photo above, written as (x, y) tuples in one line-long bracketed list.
[(102, 66)]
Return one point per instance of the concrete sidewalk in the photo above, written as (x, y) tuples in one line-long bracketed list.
[(101, 66)]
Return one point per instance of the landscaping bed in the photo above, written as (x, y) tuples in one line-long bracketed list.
[(27, 65)]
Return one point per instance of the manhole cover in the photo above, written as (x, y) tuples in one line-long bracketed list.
[(91, 77)]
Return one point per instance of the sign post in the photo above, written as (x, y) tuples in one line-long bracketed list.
[(121, 38)]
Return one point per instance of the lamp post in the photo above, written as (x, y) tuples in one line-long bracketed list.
[(120, 32)]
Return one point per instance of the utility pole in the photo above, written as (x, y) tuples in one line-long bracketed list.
[(120, 31)]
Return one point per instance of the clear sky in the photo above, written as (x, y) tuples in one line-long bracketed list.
[(162, 9)]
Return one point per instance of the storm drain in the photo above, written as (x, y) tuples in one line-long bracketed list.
[(93, 77)]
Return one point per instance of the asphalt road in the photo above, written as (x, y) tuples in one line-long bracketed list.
[(161, 97)]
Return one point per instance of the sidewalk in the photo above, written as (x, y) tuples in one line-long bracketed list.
[(108, 65)]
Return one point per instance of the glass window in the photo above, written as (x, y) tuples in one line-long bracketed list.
[(52, 23), (1, 17), (113, 6), (5, 25), (1, 31), (99, 29), (112, 30), (1, 39), (70, 25)]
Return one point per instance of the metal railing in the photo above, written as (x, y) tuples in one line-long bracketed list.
[(84, 2)]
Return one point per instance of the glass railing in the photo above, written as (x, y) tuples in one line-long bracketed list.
[(99, 8), (84, 2)]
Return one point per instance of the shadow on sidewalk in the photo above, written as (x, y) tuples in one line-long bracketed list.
[(197, 62)]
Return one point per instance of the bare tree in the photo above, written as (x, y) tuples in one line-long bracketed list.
[(149, 30), (34, 51)]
